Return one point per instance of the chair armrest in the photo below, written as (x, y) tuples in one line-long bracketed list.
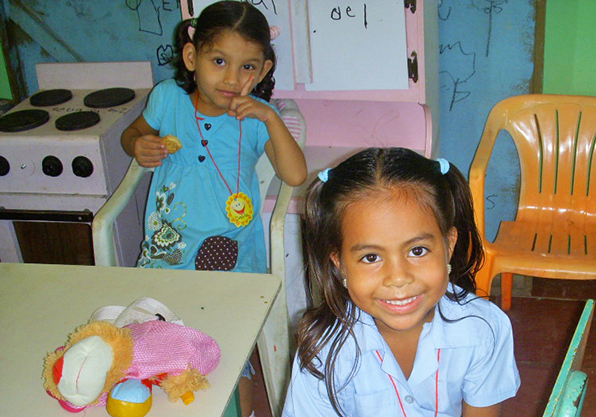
[(102, 227), (570, 387), (480, 164), (572, 398)]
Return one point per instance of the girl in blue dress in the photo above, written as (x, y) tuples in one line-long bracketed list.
[(392, 251), (203, 210), (204, 203)]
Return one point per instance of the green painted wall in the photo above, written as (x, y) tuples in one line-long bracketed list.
[(570, 47), (5, 92)]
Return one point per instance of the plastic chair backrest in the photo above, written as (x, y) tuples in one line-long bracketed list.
[(567, 396), (555, 136)]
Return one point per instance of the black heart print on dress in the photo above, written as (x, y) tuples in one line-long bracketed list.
[(207, 126), (204, 142), (201, 158)]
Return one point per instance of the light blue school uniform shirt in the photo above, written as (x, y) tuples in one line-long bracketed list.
[(187, 197), (476, 365)]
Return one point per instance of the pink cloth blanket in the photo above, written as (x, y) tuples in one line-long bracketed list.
[(164, 347)]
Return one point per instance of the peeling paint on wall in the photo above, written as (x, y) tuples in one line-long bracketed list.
[(122, 30)]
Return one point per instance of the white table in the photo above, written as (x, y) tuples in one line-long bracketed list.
[(41, 304)]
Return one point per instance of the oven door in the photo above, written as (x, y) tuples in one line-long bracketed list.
[(49, 237)]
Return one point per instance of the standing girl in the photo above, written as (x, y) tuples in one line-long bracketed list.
[(204, 203), (392, 250)]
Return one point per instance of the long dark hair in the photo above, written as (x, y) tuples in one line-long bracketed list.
[(240, 17), (448, 195)]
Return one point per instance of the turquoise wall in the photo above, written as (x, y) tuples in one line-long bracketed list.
[(88, 30), (486, 54), (486, 49)]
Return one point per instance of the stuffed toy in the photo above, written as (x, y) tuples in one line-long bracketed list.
[(104, 364)]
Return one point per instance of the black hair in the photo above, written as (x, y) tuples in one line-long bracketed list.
[(447, 195), (239, 17)]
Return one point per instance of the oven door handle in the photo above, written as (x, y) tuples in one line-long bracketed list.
[(48, 216)]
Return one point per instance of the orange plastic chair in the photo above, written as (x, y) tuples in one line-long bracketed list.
[(554, 233)]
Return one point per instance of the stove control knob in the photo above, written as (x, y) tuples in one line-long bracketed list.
[(82, 167), (4, 166), (51, 166)]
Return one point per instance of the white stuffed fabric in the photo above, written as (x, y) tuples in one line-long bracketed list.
[(86, 365)]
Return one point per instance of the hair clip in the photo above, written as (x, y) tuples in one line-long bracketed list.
[(443, 165), (324, 175), (192, 28), (274, 32)]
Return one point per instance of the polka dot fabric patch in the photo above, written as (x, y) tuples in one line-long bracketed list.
[(217, 253)]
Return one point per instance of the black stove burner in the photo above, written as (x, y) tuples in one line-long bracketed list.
[(77, 121), (109, 97), (50, 97), (19, 121)]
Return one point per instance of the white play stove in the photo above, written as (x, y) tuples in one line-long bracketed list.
[(60, 153)]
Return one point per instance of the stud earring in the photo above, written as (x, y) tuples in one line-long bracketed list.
[(448, 269), (345, 282)]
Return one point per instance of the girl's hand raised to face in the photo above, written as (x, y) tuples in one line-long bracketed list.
[(244, 106)]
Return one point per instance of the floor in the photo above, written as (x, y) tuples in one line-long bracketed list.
[(544, 317)]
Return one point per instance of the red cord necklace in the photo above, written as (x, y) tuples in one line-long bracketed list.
[(238, 206), (436, 386)]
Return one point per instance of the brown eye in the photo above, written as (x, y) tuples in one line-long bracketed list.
[(370, 258), (418, 251)]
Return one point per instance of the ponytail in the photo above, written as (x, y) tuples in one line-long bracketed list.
[(184, 78), (468, 254), (264, 89)]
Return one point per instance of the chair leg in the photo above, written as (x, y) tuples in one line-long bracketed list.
[(275, 351), (506, 290)]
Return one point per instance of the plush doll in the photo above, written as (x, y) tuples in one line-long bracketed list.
[(102, 364)]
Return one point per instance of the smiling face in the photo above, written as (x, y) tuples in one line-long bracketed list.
[(394, 257), (238, 206), (223, 69)]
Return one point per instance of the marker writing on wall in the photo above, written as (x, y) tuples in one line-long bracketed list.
[(267, 5)]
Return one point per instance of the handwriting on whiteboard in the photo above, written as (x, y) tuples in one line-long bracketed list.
[(358, 45), (337, 13)]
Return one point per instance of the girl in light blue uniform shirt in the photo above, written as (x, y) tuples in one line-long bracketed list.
[(392, 251)]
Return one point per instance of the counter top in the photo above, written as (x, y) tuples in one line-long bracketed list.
[(40, 305)]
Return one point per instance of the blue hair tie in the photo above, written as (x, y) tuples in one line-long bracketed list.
[(324, 175), (443, 165)]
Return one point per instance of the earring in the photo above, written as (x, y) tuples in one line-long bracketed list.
[(345, 282), (448, 269)]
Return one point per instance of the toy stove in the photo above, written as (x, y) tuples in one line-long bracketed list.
[(61, 158)]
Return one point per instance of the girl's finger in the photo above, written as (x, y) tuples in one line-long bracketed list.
[(247, 86)]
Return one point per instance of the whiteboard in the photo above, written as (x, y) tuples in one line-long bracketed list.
[(358, 45), (277, 13)]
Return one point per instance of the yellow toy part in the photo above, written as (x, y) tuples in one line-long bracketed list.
[(130, 398)]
